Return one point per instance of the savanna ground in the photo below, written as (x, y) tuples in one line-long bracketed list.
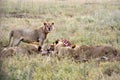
[(85, 22)]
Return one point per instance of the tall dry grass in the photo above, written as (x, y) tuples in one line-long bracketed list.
[(83, 24)]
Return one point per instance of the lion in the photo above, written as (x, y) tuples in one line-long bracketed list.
[(22, 49), (94, 52), (30, 35), (84, 52), (62, 48), (47, 49)]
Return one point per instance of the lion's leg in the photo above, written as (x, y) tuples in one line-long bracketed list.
[(11, 44), (16, 42), (40, 44)]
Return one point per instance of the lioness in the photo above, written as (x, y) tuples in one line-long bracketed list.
[(84, 52), (30, 35)]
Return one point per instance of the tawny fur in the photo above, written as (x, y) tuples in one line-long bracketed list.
[(30, 35), (23, 49), (86, 52), (90, 52)]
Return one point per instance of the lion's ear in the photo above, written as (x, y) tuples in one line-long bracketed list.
[(73, 46), (56, 42), (52, 23), (45, 23)]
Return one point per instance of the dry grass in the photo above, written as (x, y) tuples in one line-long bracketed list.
[(82, 24)]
